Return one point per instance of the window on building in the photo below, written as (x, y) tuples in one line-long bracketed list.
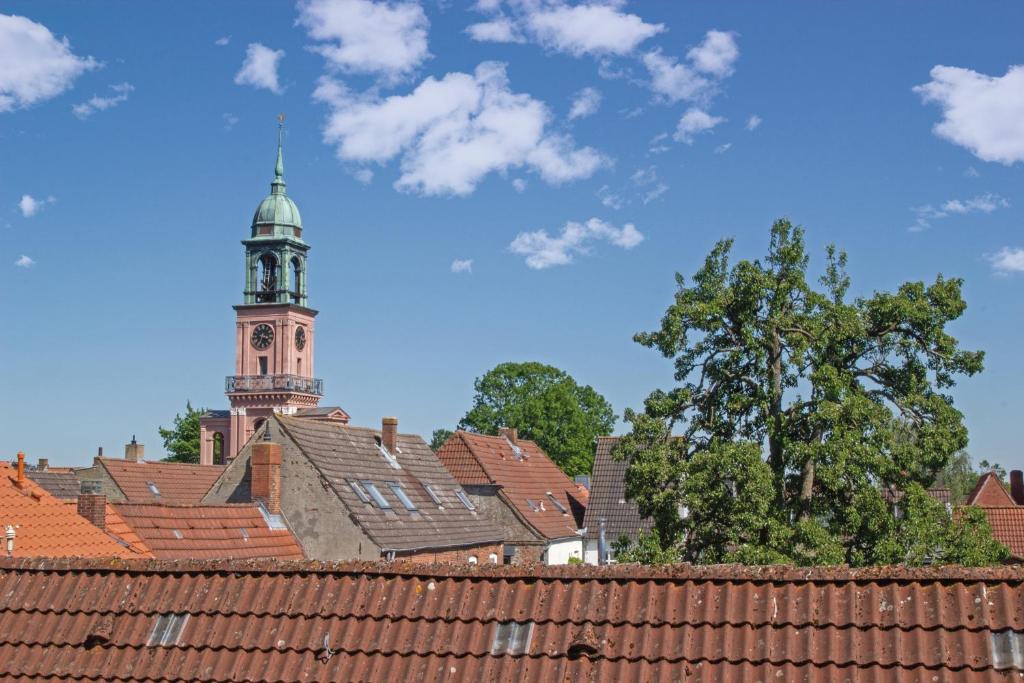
[(554, 501), (167, 629), (263, 365), (493, 558), (218, 448), (153, 489), (464, 499), (358, 489), (298, 367), (508, 551), (472, 559), (376, 495), (434, 496), (400, 494), (512, 638)]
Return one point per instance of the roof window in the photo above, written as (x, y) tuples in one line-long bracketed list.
[(434, 496), (535, 505), (512, 638), (554, 501), (377, 496), (358, 490), (464, 499), (177, 534), (153, 489), (245, 533), (400, 494), (167, 629)]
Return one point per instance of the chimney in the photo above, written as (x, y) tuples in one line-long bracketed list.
[(389, 434), (134, 451), (510, 433), (92, 504), (1017, 486), (265, 477), (99, 451), (21, 483), (44, 464)]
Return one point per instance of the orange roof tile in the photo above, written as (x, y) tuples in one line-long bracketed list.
[(1008, 527), (175, 532), (175, 482), (117, 526), (525, 481), (989, 492), (47, 526)]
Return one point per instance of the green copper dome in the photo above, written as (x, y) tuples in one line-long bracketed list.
[(277, 214)]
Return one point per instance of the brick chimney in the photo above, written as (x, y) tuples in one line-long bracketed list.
[(1017, 486), (92, 504), (510, 433), (21, 482), (134, 451), (389, 434), (44, 464), (265, 482)]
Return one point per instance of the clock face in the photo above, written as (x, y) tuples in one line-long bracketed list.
[(300, 338), (262, 336)]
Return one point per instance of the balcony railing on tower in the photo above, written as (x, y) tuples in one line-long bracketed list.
[(297, 383)]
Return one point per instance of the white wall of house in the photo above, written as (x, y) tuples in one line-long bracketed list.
[(559, 552)]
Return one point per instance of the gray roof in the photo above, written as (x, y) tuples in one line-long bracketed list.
[(342, 452), (60, 484), (608, 497), (318, 411)]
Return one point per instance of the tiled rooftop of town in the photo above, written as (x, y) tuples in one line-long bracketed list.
[(161, 482)]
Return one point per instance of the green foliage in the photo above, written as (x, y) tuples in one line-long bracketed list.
[(547, 406), (181, 441), (795, 407), (648, 549), (960, 475), (438, 438), (574, 560)]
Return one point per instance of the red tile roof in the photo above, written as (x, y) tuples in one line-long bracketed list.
[(479, 459), (177, 532), (1008, 527), (989, 492), (45, 525), (79, 619), (116, 525), (176, 482)]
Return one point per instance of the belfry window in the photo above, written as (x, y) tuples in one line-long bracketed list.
[(267, 278), (295, 290), (263, 365)]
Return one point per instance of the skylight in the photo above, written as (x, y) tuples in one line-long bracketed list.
[(401, 496), (464, 499), (177, 534), (512, 638), (359, 491), (152, 488), (434, 496), (554, 501), (167, 629), (377, 496), (534, 505)]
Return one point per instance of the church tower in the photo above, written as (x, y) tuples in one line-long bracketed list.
[(274, 332)]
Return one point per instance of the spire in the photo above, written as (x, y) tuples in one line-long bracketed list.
[(277, 187)]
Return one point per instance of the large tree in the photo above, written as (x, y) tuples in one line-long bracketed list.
[(804, 425), (545, 405), (181, 441)]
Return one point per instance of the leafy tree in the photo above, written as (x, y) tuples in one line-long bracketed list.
[(438, 438), (960, 475), (182, 440), (546, 405), (796, 407)]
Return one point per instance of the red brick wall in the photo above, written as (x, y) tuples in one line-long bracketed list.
[(992, 494), (93, 506), (266, 475), (456, 556)]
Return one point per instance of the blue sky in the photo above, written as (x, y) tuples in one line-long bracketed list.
[(422, 136)]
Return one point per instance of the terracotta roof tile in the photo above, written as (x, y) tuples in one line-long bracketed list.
[(46, 525), (1008, 527), (989, 492), (208, 531), (608, 497), (175, 482), (116, 525), (77, 619), (525, 479)]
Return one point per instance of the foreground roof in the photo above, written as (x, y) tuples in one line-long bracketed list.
[(45, 525), (343, 453), (208, 531), (240, 621), (526, 478), (608, 497), (173, 482)]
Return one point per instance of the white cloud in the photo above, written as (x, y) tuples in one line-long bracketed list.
[(654, 193), (24, 262), (222, 41), (657, 144), (693, 122), (983, 113), (722, 149), (585, 102), (450, 133), (985, 203), (648, 178), (610, 199), (753, 122), (260, 68), (519, 184), (672, 80), (462, 265), (644, 176), (1007, 260), (499, 30), (35, 65), (363, 175), (543, 251), (589, 29), (387, 39), (716, 55), (229, 120), (96, 103), (30, 206), (971, 172)]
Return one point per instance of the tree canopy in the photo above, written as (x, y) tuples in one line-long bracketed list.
[(804, 425), (438, 438), (181, 441), (545, 405)]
